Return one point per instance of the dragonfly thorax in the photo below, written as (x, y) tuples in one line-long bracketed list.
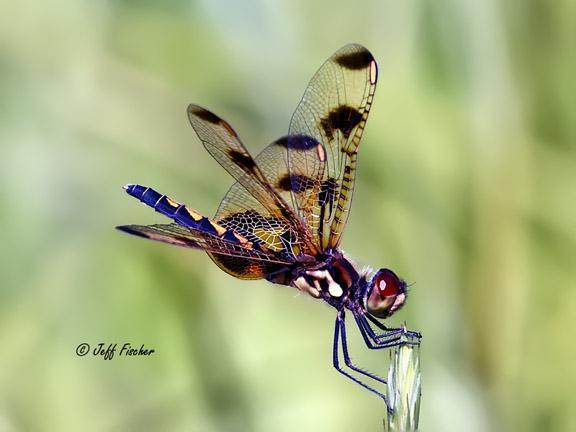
[(335, 281)]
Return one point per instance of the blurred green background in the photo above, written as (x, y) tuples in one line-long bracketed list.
[(466, 188)]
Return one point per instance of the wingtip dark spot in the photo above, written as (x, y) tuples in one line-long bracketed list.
[(359, 58), (128, 229), (203, 114)]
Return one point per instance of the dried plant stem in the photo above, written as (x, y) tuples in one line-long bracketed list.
[(403, 391)]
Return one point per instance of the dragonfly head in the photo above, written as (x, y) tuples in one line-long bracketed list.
[(386, 294)]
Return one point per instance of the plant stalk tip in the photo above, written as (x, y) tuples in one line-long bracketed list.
[(404, 387)]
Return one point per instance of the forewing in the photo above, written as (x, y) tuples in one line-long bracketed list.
[(222, 142), (333, 111), (255, 206)]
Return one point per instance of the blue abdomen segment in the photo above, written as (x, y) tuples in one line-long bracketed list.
[(188, 217), (179, 212)]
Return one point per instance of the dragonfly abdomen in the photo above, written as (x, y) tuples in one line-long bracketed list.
[(182, 214)]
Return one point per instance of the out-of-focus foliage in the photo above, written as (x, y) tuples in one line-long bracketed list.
[(467, 188)]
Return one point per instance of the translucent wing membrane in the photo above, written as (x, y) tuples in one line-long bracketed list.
[(333, 111), (255, 206), (312, 168), (242, 212), (222, 142), (242, 260), (291, 202), (306, 167)]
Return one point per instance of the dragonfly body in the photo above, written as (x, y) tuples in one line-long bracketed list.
[(283, 218), (330, 276)]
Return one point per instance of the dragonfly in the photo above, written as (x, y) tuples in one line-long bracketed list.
[(283, 218)]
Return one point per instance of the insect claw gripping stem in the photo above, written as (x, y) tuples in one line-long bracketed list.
[(370, 339), (407, 333), (390, 338)]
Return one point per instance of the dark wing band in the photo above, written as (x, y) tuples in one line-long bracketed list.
[(254, 206)]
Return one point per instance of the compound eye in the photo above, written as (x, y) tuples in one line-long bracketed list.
[(387, 294), (387, 283)]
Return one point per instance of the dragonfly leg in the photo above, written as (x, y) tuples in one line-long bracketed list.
[(386, 330), (347, 358), (388, 339), (340, 335)]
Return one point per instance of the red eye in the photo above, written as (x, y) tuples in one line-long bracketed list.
[(387, 294), (388, 283)]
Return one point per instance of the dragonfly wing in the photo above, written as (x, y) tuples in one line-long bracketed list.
[(333, 111)]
